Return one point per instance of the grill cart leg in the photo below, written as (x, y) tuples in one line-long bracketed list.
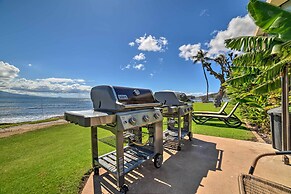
[(158, 143), (120, 160), (179, 132), (189, 127), (94, 145), (158, 137)]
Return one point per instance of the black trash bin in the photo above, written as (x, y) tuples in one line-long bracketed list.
[(276, 127)]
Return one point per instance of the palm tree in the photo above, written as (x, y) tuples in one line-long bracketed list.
[(201, 57)]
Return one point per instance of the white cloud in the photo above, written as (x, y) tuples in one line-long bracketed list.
[(139, 57), (214, 32), (204, 12), (62, 80), (239, 26), (8, 71), (151, 43), (189, 50), (45, 87), (131, 44), (126, 67), (151, 75), (29, 65), (139, 67)]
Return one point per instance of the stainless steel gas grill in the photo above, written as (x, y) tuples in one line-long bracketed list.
[(127, 113), (178, 110)]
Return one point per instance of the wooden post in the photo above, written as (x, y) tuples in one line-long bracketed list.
[(285, 111)]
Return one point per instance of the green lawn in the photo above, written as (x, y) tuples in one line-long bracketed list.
[(53, 160), (50, 160)]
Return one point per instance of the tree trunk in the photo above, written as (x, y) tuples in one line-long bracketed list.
[(207, 84), (219, 96)]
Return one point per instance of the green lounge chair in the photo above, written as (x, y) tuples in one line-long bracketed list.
[(229, 119), (221, 111)]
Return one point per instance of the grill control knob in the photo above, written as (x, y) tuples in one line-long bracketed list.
[(132, 121), (157, 115), (145, 118)]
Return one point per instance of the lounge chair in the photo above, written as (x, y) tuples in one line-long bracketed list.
[(229, 119), (221, 111)]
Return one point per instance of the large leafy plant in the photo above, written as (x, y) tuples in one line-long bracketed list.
[(255, 79)]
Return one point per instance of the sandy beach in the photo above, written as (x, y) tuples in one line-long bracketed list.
[(6, 132)]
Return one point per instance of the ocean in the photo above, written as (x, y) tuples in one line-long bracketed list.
[(30, 108)]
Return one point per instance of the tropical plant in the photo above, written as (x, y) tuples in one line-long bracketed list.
[(223, 61), (255, 78), (225, 70), (201, 57)]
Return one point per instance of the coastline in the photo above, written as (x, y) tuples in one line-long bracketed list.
[(12, 124), (22, 127)]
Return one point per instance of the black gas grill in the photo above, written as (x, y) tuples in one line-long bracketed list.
[(117, 99), (123, 111), (176, 106)]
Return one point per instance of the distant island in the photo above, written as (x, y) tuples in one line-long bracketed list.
[(13, 95)]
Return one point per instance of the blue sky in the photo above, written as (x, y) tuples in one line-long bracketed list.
[(64, 47)]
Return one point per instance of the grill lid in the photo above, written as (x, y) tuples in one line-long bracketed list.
[(116, 98), (171, 98), (133, 95)]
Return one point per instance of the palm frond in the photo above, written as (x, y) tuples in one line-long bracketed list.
[(274, 71), (252, 43), (286, 49), (240, 80), (274, 21), (245, 70), (268, 86), (287, 45), (262, 58)]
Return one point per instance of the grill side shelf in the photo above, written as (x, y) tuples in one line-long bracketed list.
[(89, 118), (133, 157)]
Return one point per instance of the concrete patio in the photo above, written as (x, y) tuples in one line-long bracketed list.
[(205, 165)]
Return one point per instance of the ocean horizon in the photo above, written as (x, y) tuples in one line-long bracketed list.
[(32, 108)]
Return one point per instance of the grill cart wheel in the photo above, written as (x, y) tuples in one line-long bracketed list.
[(124, 189), (158, 160), (190, 136)]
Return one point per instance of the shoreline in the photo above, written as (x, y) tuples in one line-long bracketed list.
[(19, 128), (10, 124)]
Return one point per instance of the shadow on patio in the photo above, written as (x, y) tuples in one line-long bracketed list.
[(205, 165), (181, 172)]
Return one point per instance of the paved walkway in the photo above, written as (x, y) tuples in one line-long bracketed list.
[(205, 165)]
